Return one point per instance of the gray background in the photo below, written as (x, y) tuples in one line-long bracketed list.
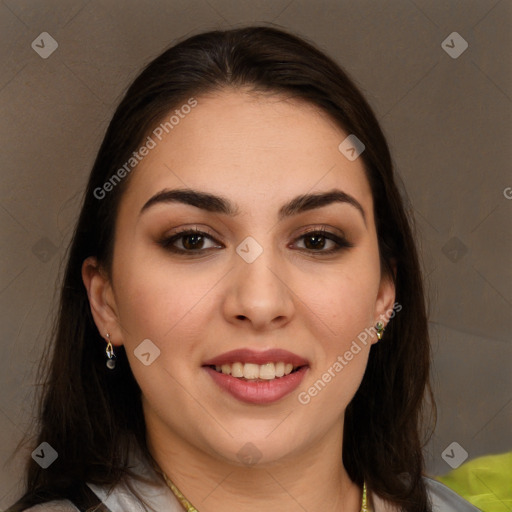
[(448, 122)]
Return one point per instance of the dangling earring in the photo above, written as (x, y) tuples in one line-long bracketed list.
[(380, 329), (111, 363)]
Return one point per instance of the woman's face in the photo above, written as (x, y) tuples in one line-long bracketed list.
[(252, 281)]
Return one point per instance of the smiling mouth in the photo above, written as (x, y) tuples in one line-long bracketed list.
[(257, 372)]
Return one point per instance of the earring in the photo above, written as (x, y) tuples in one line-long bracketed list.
[(380, 329), (111, 363)]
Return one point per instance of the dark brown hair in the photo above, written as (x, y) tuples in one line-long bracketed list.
[(93, 417)]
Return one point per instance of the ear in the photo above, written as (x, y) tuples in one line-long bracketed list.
[(385, 306), (101, 300)]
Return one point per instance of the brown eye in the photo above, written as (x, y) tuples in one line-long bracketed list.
[(192, 241), (317, 241), (189, 241)]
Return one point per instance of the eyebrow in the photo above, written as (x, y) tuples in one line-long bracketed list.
[(219, 204)]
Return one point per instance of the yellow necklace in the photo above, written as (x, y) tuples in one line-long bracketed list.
[(190, 508)]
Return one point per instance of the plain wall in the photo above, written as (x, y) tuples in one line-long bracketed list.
[(448, 122)]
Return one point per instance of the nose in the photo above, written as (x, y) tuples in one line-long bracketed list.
[(258, 293)]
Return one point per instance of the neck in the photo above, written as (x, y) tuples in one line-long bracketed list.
[(314, 480)]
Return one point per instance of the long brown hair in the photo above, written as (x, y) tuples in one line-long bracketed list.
[(93, 417)]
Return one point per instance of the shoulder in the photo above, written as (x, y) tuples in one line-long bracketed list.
[(143, 491), (53, 506), (443, 499), (446, 500)]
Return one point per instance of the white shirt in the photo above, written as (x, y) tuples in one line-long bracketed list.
[(161, 499)]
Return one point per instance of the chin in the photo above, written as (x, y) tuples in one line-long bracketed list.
[(256, 447)]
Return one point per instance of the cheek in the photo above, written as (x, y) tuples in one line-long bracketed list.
[(157, 299), (341, 302), (340, 311), (338, 318), (164, 304)]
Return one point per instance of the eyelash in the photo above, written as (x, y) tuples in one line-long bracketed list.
[(342, 243)]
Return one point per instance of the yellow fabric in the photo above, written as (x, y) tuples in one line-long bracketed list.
[(486, 482)]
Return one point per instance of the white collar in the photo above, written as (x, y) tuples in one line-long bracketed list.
[(160, 498)]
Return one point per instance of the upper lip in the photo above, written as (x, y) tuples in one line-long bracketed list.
[(247, 355)]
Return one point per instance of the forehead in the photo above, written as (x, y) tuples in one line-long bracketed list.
[(258, 148)]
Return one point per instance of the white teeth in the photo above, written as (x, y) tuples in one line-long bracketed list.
[(251, 371), (267, 371), (237, 370)]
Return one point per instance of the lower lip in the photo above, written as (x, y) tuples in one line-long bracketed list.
[(258, 391)]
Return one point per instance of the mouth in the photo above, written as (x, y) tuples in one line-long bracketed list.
[(257, 377), (256, 372)]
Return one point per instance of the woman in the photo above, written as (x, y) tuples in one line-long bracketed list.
[(241, 251)]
